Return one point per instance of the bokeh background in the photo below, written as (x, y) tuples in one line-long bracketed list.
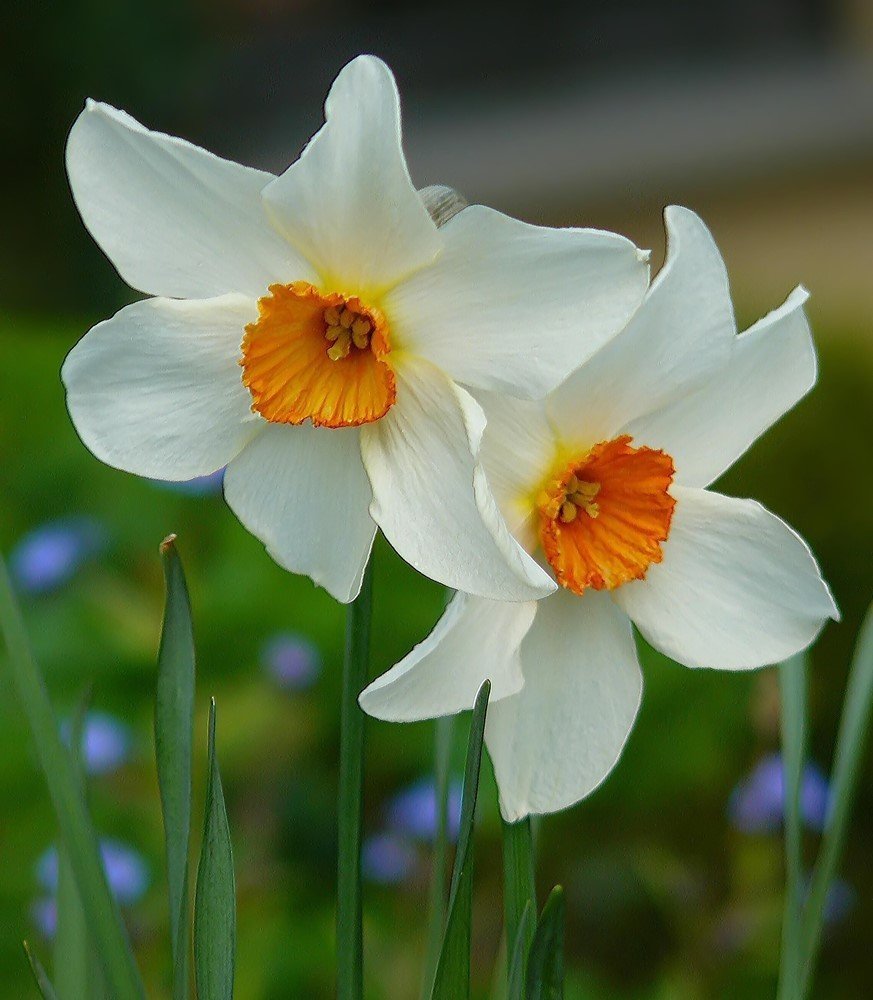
[(759, 115)]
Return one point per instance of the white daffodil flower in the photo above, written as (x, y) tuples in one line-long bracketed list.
[(606, 481), (313, 332)]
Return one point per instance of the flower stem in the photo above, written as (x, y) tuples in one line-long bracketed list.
[(792, 681), (519, 886), (442, 757), (848, 759), (349, 936)]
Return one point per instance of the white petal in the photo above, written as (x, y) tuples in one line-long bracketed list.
[(518, 451), (737, 588), (772, 367), (431, 496), (157, 389), (683, 332), (174, 219), (474, 641), (556, 740), (514, 307), (303, 491), (348, 203)]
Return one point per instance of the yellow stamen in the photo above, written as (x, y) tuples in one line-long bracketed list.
[(568, 512), (341, 348)]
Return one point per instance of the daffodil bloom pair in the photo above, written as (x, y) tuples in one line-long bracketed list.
[(605, 483), (319, 335)]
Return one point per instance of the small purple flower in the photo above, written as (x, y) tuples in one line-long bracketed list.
[(387, 859), (106, 742), (413, 811), (815, 797), (126, 871), (840, 902), (44, 914), (200, 486), (292, 661), (50, 555), (757, 804)]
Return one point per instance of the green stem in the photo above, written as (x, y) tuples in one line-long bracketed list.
[(519, 885), (851, 741), (792, 681), (65, 790), (442, 760), (349, 936)]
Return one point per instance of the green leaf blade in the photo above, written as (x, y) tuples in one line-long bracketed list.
[(792, 683), (174, 722), (452, 980), (77, 831), (851, 743), (545, 964), (215, 901), (43, 984), (518, 960), (71, 956)]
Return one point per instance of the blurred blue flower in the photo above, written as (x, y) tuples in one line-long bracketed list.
[(126, 871), (106, 742), (50, 555), (757, 804), (413, 811), (292, 661), (201, 486), (44, 914), (840, 902), (387, 859)]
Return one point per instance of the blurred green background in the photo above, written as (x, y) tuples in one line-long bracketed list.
[(758, 118)]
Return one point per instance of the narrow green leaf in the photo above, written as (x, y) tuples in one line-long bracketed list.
[(72, 947), (545, 964), (174, 722), (443, 728), (851, 742), (77, 831), (519, 887), (350, 803), (452, 980), (46, 990), (443, 732), (518, 959), (792, 681), (215, 903)]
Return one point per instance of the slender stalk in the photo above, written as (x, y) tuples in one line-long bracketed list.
[(65, 790), (442, 760), (792, 681), (519, 885), (851, 741), (349, 936)]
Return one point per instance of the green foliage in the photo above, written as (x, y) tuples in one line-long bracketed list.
[(77, 833), (518, 957), (43, 984), (851, 743), (349, 941), (215, 903), (545, 963), (452, 981), (174, 721), (792, 680)]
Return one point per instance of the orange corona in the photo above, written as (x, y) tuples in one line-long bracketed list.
[(318, 356), (604, 514)]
